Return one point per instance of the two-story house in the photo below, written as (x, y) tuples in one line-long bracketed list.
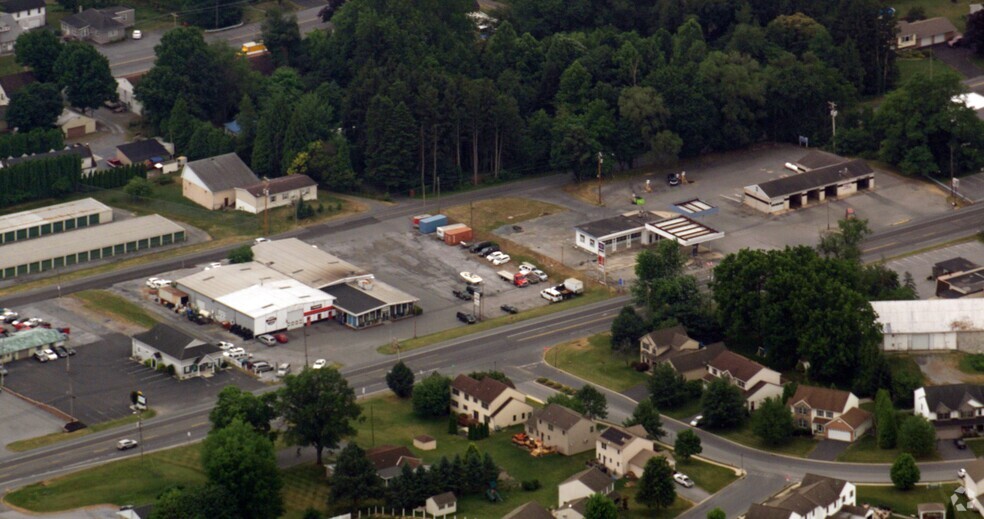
[(973, 481), (573, 492), (624, 450), (954, 409), (9, 31), (756, 381), (829, 413), (659, 345), (489, 401), (565, 430), (29, 14), (693, 364), (816, 497), (13, 83)]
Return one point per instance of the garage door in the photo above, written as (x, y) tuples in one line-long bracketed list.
[(75, 133), (843, 436), (919, 341)]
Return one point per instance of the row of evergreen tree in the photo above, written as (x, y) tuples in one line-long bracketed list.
[(115, 177), (38, 140), (473, 474), (39, 179)]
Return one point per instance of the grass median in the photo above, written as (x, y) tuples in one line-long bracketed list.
[(53, 438), (113, 306), (865, 450), (592, 359)]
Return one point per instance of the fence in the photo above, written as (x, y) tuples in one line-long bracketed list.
[(381, 512)]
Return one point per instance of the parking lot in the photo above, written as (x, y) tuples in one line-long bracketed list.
[(921, 265)]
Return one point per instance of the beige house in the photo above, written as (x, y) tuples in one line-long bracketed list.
[(816, 497), (973, 482), (489, 401), (573, 492), (277, 192), (693, 364), (563, 429), (660, 345), (441, 505), (925, 33), (624, 450), (75, 125), (212, 182), (829, 413), (756, 381)]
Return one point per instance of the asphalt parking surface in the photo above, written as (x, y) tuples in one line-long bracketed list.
[(921, 265), (101, 377)]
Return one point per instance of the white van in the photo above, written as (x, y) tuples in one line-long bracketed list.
[(283, 369)]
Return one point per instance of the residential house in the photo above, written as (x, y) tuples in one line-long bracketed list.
[(693, 364), (924, 33), (390, 459), (660, 345), (954, 409), (829, 413), (816, 497), (489, 401), (574, 491), (756, 381), (75, 125), (624, 450), (441, 505), (29, 14), (212, 182), (530, 510), (13, 83), (125, 86), (147, 151), (9, 31), (83, 151), (101, 26), (565, 430), (973, 482), (166, 346), (277, 192)]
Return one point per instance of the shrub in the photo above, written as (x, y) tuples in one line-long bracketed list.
[(531, 485), (641, 367)]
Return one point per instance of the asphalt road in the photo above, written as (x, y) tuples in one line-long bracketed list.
[(928, 232), (135, 56)]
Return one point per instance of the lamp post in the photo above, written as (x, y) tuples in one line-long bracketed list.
[(833, 123)]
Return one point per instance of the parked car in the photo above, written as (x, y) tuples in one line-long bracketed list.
[(539, 274), (959, 443), (260, 240), (673, 179), (495, 254), (267, 339), (262, 366), (502, 259), (320, 363), (471, 278), (62, 352), (698, 421), (461, 294), (51, 354), (71, 351), (283, 369), (479, 246), (466, 318), (282, 338), (125, 444), (531, 278), (40, 356), (114, 163), (137, 34), (151, 282), (226, 346), (526, 267), (683, 479), (485, 251), (509, 309), (961, 473)]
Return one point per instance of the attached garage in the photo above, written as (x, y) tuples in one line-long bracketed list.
[(849, 426), (842, 436)]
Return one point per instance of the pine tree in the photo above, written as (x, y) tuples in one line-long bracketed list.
[(474, 472), (886, 424), (400, 380)]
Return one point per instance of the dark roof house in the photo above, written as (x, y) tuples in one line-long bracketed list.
[(142, 151), (813, 492), (531, 510), (279, 185), (485, 390), (13, 83), (390, 459), (20, 6), (593, 478), (175, 343), (696, 361)]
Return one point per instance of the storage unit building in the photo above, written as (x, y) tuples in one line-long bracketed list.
[(88, 244), (932, 324), (53, 219)]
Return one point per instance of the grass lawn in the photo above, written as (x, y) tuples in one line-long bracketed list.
[(706, 475), (111, 305), (905, 363), (48, 439), (637, 511), (134, 480), (305, 486), (9, 66), (977, 446), (799, 446), (971, 363), (684, 410), (904, 502), (488, 215), (866, 450), (955, 11), (909, 67), (592, 359)]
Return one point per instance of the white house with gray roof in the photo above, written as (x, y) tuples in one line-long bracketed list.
[(573, 493), (212, 182), (163, 345), (565, 430)]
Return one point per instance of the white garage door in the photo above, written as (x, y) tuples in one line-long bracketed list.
[(843, 436), (919, 341)]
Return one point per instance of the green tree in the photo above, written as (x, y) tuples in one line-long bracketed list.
[(83, 73), (905, 473), (318, 407), (627, 328), (139, 187), (181, 125), (241, 254), (39, 50), (212, 14), (886, 424), (391, 138), (717, 513), (656, 487), (646, 415), (328, 163), (355, 478), (666, 387), (247, 119), (243, 462), (400, 380), (773, 421), (270, 131), (917, 436), (37, 105), (432, 396), (593, 402), (600, 506), (687, 444), (257, 411), (311, 120), (567, 401), (282, 37), (845, 243), (200, 502), (723, 405)]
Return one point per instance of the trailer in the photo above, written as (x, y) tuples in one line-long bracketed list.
[(506, 275), (431, 223), (440, 231), (416, 219), (172, 297)]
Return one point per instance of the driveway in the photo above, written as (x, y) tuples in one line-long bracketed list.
[(960, 58), (828, 450), (949, 451)]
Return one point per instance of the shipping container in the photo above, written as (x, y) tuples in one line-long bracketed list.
[(459, 235), (449, 227), (418, 218), (431, 223), (172, 296)]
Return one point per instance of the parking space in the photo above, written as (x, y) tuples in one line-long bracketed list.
[(972, 187), (22, 420), (921, 265)]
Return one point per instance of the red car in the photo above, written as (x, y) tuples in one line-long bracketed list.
[(281, 337)]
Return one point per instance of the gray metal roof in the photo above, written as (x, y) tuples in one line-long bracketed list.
[(51, 213), (29, 339), (311, 266), (223, 172), (225, 280), (816, 178), (174, 342), (86, 239)]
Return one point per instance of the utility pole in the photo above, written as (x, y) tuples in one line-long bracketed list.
[(305, 345), (174, 16), (833, 123), (266, 207), (600, 160), (71, 390), (439, 195), (471, 214)]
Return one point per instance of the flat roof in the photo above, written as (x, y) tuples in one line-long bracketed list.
[(695, 207), (815, 179), (356, 300), (222, 281), (51, 213), (965, 282), (265, 298), (616, 224), (86, 239), (684, 231), (930, 315), (305, 263)]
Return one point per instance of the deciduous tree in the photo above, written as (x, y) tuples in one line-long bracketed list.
[(723, 405), (646, 415), (355, 477), (318, 407), (282, 37), (886, 424), (37, 105), (39, 50), (593, 402), (666, 387), (84, 75), (687, 444), (198, 502), (243, 462), (656, 487), (432, 396), (773, 421), (627, 328), (257, 411), (905, 473), (917, 436), (600, 506)]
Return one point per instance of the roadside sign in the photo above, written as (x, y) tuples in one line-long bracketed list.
[(601, 260), (601, 248)]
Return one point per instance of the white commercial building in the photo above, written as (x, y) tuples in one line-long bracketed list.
[(641, 228), (257, 297), (933, 324)]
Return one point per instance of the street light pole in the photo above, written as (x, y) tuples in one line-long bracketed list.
[(600, 159), (833, 123)]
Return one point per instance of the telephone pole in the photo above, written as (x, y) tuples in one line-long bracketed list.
[(600, 160), (833, 123)]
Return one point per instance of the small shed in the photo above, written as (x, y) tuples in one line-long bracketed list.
[(425, 443), (75, 125), (931, 511), (441, 504)]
